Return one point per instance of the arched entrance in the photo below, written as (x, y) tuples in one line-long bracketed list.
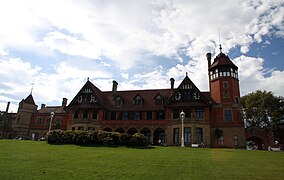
[(107, 129), (132, 131), (256, 141), (147, 133), (120, 130), (159, 133)]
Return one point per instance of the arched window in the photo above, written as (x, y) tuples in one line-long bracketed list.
[(159, 101), (138, 101), (118, 102)]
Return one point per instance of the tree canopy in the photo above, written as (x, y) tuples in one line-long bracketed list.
[(262, 109)]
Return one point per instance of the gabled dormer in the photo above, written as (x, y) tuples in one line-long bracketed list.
[(118, 101), (187, 91), (138, 100), (88, 96), (159, 100)]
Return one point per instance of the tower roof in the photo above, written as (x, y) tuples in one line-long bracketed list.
[(30, 100), (222, 60)]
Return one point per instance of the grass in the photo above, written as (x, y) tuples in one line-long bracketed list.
[(39, 160)]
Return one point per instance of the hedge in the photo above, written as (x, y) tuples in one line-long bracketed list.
[(96, 138)]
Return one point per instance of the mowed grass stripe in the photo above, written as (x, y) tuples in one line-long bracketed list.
[(39, 160)]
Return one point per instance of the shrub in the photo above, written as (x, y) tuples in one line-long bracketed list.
[(138, 140), (55, 137), (95, 138)]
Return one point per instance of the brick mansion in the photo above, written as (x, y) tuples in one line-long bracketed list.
[(212, 118)]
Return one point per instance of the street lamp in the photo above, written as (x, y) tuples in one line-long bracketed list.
[(51, 117), (182, 115)]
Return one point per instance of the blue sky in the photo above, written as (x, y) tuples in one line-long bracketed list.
[(57, 45)]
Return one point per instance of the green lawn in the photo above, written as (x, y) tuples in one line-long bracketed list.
[(39, 160)]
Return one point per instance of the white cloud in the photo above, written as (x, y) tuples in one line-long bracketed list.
[(127, 36), (254, 77)]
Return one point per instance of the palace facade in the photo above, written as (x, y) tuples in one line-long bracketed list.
[(211, 118)]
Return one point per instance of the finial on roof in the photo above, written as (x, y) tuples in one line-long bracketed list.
[(186, 74), (220, 40), (88, 79), (32, 86)]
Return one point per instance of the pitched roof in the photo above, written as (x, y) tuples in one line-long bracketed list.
[(55, 109), (223, 61), (106, 99), (30, 100)]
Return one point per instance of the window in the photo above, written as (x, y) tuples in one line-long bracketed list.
[(176, 136), (149, 115), (225, 85), (159, 101), (187, 112), (160, 115), (187, 135), (91, 129), (236, 141), (47, 121), (228, 115), (137, 115), (118, 102), (95, 114), (125, 115), (113, 115), (199, 135), (221, 141), (81, 128), (226, 95), (199, 113), (57, 123), (76, 114), (176, 113), (39, 121), (138, 101), (236, 100), (86, 112)]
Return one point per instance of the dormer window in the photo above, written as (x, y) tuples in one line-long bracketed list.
[(118, 102), (159, 101), (138, 101)]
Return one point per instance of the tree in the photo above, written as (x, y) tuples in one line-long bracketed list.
[(261, 109)]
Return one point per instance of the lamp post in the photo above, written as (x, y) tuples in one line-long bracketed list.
[(182, 115), (50, 123)]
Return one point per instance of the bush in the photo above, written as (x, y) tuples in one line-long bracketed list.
[(55, 137), (96, 138), (138, 140)]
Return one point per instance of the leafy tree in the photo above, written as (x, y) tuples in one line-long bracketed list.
[(261, 109)]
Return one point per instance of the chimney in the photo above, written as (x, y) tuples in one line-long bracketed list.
[(42, 106), (208, 56), (64, 102), (7, 108), (114, 87), (172, 83)]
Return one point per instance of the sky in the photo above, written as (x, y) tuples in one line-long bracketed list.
[(52, 47)]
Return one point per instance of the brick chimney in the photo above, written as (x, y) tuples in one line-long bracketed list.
[(7, 108), (208, 56), (114, 88), (64, 102), (172, 83), (42, 106)]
